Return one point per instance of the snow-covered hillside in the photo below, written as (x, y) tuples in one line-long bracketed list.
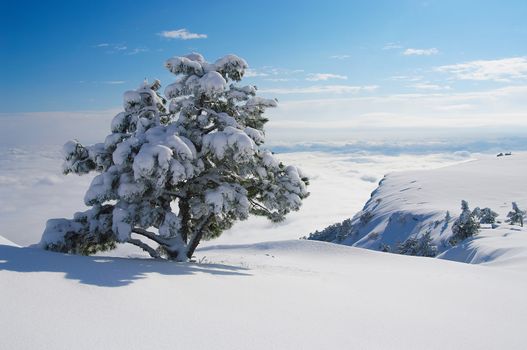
[(278, 295), (409, 204)]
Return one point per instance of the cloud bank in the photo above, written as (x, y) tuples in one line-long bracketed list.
[(504, 70)]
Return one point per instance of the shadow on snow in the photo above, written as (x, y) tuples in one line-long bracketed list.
[(103, 271)]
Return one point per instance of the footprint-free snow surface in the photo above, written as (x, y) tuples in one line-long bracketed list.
[(279, 295)]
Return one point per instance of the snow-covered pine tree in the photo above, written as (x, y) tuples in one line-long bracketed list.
[(178, 168), (466, 225), (485, 215), (516, 215), (421, 246), (334, 233)]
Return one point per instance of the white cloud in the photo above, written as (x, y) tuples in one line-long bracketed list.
[(325, 76), (137, 50), (251, 73), (340, 57), (421, 52), (503, 108), (113, 82), (274, 73), (332, 89), (504, 70), (406, 77), (429, 86), (107, 82), (392, 46), (459, 107), (278, 79), (181, 34), (114, 48)]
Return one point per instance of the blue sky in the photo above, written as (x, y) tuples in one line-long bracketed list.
[(332, 64)]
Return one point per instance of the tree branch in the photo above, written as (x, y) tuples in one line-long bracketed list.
[(144, 246), (177, 194), (150, 235), (184, 210), (260, 206)]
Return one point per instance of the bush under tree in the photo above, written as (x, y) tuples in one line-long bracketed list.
[(180, 167)]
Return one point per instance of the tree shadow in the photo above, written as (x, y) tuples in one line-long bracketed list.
[(103, 271)]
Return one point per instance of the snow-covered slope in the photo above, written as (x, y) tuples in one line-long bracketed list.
[(409, 204), (277, 295)]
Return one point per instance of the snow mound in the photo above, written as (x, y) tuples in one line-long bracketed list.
[(416, 203)]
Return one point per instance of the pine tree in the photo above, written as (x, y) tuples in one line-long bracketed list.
[(485, 215), (421, 246), (516, 215), (178, 168), (335, 233), (465, 226)]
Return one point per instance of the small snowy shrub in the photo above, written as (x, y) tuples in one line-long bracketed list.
[(365, 217), (333, 233), (385, 248), (516, 216), (485, 215), (465, 226), (180, 167), (421, 246)]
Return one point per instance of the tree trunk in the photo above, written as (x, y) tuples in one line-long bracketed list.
[(200, 231), (184, 210)]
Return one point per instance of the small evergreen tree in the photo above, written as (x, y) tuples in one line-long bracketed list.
[(334, 233), (485, 215), (178, 168), (421, 246), (385, 248), (465, 226), (516, 215)]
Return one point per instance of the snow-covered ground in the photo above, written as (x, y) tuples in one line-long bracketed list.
[(279, 295), (258, 286)]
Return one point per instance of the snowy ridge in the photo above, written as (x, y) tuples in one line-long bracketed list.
[(411, 204)]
